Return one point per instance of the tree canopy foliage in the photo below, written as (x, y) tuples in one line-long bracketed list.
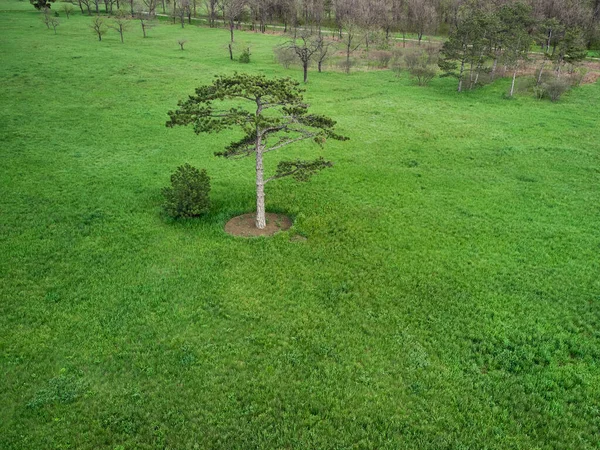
[(271, 113)]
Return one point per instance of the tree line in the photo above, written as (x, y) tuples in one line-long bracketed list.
[(415, 17)]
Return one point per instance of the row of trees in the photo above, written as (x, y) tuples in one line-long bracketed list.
[(484, 38), (418, 17)]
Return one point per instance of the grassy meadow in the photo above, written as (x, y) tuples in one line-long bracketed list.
[(447, 295)]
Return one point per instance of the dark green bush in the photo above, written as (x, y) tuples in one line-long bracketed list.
[(245, 56), (188, 194)]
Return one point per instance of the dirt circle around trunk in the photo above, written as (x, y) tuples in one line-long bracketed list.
[(244, 225)]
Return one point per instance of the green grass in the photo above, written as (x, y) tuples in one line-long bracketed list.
[(447, 295)]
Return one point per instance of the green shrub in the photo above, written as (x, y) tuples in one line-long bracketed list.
[(245, 56), (423, 74), (188, 194)]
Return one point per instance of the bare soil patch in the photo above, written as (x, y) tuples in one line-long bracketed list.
[(244, 225)]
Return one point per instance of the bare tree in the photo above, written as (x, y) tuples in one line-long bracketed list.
[(183, 11), (352, 40), (46, 16), (54, 22), (305, 46), (211, 9), (151, 6), (87, 4), (147, 21), (326, 48), (120, 24), (98, 26), (67, 8), (421, 16), (232, 12)]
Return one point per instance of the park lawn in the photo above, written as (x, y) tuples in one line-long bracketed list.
[(447, 295)]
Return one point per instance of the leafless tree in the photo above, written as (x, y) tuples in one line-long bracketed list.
[(150, 6), (326, 48), (232, 12), (98, 27), (352, 39), (421, 16), (306, 46), (54, 22), (46, 16), (211, 9), (120, 24), (147, 21), (67, 8)]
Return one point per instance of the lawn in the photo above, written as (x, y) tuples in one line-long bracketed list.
[(447, 294)]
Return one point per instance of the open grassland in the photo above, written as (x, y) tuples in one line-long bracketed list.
[(447, 296)]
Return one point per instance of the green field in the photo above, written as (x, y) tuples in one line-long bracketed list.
[(447, 295)]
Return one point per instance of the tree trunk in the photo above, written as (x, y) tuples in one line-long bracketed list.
[(320, 63), (260, 187), (230, 52), (144, 29), (261, 221), (305, 67), (121, 33), (494, 65), (512, 86), (539, 80), (460, 75), (231, 25)]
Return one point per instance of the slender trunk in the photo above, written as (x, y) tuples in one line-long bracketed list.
[(80, 7), (320, 63), (460, 75), (260, 181), (471, 73), (403, 39), (230, 52), (260, 187), (348, 58), (121, 33), (494, 65), (164, 8), (144, 29), (305, 67), (231, 25), (512, 86), (539, 80)]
